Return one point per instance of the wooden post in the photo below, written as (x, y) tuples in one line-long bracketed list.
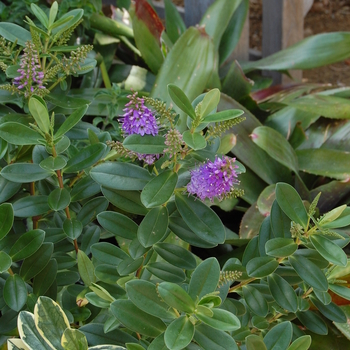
[(194, 10), (283, 26)]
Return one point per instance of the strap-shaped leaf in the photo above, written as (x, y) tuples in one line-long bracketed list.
[(181, 100)]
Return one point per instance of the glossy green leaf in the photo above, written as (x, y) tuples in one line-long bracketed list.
[(5, 262), (302, 343), (108, 253), (92, 208), (153, 227), (37, 108), (84, 188), (166, 272), (279, 336), (144, 295), (86, 268), (52, 164), (59, 199), (73, 339), (280, 222), (34, 264), (53, 13), (19, 134), (72, 228), (175, 25), (176, 255), (71, 121), (283, 292), (27, 244), (280, 247), (176, 297), (159, 190), (202, 220), (223, 116), (313, 322), (107, 273), (179, 333), (254, 342), (181, 100), (290, 202), (332, 311), (221, 319), (121, 176), (48, 313), (31, 206), (6, 219), (15, 292), (340, 290), (24, 172), (309, 272), (14, 33), (209, 102), (129, 265), (44, 280), (137, 320), (194, 140), (204, 279), (7, 190), (260, 267), (146, 144), (118, 224), (255, 301)]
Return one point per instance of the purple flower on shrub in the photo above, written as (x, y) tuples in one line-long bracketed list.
[(213, 179)]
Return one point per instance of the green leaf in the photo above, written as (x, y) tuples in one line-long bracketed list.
[(260, 267), (146, 144), (181, 100), (14, 33), (5, 262), (309, 272), (62, 24), (121, 176), (144, 295), (255, 301), (159, 190), (118, 224), (194, 140), (15, 292), (72, 228), (31, 206), (44, 280), (37, 108), (166, 272), (210, 102), (24, 172), (280, 247), (153, 227), (108, 253), (53, 13), (203, 221), (19, 134), (137, 320), (176, 255), (340, 290), (6, 219), (329, 250), (221, 319), (290, 202), (283, 293), (279, 336), (34, 264), (71, 121), (51, 164), (59, 199), (86, 268), (332, 311), (204, 279), (223, 116), (129, 265), (313, 322), (7, 190), (40, 15), (254, 342), (302, 343), (175, 25), (84, 188), (50, 321), (27, 244), (179, 333), (173, 295), (92, 208), (73, 339)]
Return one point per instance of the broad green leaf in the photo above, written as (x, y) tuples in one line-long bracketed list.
[(255, 301), (118, 224), (329, 250), (290, 202), (175, 25), (24, 172), (121, 176), (19, 134), (51, 164), (15, 292), (332, 311), (7, 190), (221, 319), (301, 343), (203, 221), (37, 108), (340, 290), (137, 320), (53, 13), (283, 292), (280, 247), (5, 262), (59, 199), (158, 343), (194, 140), (223, 116), (309, 272), (40, 15), (92, 208), (108, 253), (280, 222), (179, 333), (254, 342), (129, 266), (31, 206), (6, 219), (159, 190), (73, 339), (72, 228), (166, 272), (209, 102), (260, 267), (84, 188), (204, 279), (62, 24), (27, 244), (279, 336), (325, 48), (50, 321), (86, 268), (144, 295), (146, 144), (14, 33), (153, 227), (313, 322), (181, 100), (44, 280), (176, 297)]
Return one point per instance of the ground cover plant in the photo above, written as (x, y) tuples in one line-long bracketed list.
[(113, 228)]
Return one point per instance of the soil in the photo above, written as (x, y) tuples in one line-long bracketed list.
[(324, 16)]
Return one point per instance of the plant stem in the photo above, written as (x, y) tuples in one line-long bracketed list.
[(105, 76), (243, 283)]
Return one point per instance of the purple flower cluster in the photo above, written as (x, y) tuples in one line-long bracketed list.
[(31, 76), (213, 179)]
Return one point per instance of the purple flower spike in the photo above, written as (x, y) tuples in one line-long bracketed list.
[(213, 179)]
